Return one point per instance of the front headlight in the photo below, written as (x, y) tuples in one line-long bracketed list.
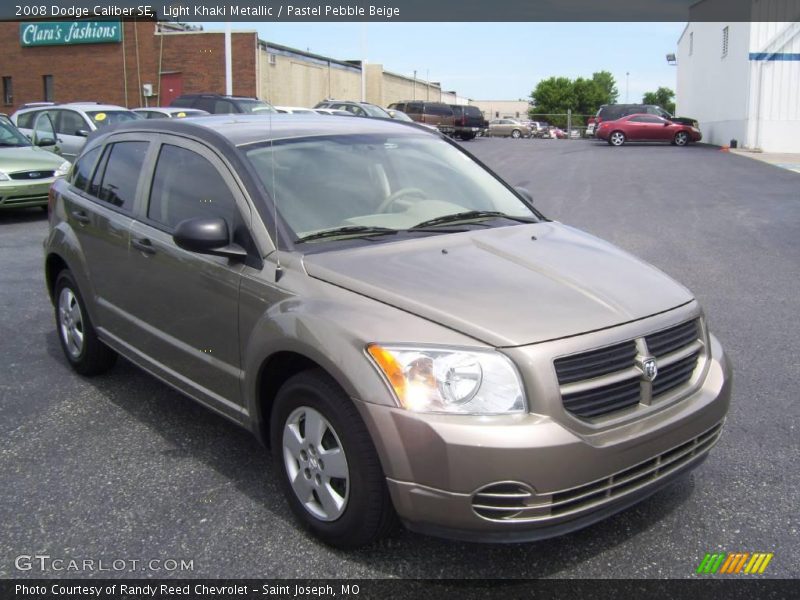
[(4, 177), (442, 380), (63, 169)]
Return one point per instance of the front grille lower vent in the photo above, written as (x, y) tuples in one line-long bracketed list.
[(505, 501), (512, 501), (611, 379)]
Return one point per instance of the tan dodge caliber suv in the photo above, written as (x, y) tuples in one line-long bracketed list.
[(405, 331)]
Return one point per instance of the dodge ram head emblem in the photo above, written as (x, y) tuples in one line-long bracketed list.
[(649, 368)]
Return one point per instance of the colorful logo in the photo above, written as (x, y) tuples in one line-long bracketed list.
[(735, 562)]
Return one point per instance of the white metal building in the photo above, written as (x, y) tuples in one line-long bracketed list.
[(741, 81)]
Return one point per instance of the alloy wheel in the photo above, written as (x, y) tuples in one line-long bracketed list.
[(316, 463), (681, 138), (71, 322), (617, 138)]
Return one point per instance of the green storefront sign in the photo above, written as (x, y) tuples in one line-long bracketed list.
[(65, 33)]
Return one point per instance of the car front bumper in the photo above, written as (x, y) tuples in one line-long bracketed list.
[(20, 194), (443, 470)]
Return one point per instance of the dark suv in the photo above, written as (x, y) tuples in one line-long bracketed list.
[(217, 104), (612, 112), (468, 120), (431, 113)]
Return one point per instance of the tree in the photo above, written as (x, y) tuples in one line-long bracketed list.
[(661, 97), (608, 85), (582, 96)]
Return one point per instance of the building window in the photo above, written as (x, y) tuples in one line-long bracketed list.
[(518, 114), (724, 42), (497, 114), (8, 91), (47, 81), (273, 59), (691, 43)]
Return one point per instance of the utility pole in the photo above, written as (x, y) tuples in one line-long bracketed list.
[(627, 94)]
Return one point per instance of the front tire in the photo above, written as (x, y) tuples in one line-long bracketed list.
[(681, 139), (516, 134), (617, 138), (327, 464), (85, 352)]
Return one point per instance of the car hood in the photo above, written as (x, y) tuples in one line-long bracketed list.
[(506, 286), (28, 158)]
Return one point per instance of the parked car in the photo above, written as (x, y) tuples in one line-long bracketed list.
[(399, 115), (333, 111), (467, 120), (379, 334), (438, 114), (612, 112), (71, 122), (359, 109), (647, 128), (26, 171), (168, 112), (508, 128), (295, 110), (217, 104)]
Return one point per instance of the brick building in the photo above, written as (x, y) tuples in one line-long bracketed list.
[(115, 71), (145, 63)]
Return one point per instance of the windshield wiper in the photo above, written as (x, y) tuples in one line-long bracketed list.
[(471, 214), (348, 231)]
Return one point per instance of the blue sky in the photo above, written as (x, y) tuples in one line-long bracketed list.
[(493, 61)]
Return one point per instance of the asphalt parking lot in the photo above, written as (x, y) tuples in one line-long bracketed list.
[(122, 467)]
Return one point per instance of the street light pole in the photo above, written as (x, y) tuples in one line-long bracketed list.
[(627, 95)]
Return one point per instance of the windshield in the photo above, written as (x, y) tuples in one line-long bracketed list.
[(376, 181), (10, 136), (401, 116), (103, 118), (375, 111), (255, 106)]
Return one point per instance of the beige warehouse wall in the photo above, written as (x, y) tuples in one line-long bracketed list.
[(293, 81), (394, 87)]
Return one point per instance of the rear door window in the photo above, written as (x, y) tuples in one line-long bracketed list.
[(116, 180), (70, 122)]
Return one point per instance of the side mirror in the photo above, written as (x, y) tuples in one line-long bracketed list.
[(206, 236), (525, 193), (82, 133), (42, 142)]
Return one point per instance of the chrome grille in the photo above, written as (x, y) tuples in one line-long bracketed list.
[(518, 501), (31, 175), (609, 380)]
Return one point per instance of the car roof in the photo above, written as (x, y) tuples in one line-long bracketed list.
[(78, 106), (247, 129)]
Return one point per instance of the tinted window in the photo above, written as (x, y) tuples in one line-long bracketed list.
[(414, 107), (25, 120), (223, 107), (473, 111), (185, 186), (69, 122), (438, 109), (120, 174), (82, 171), (182, 102)]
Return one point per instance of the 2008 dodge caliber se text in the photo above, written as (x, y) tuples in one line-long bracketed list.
[(407, 333)]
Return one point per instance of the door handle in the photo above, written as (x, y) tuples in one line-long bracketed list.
[(144, 245), (80, 216)]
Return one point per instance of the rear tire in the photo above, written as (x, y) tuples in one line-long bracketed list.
[(327, 464), (617, 138), (85, 352)]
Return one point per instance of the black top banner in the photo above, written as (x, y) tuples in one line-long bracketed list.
[(408, 10)]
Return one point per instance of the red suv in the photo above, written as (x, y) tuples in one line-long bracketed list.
[(646, 128)]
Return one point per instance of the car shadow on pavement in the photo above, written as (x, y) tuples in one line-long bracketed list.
[(198, 434), (12, 216)]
